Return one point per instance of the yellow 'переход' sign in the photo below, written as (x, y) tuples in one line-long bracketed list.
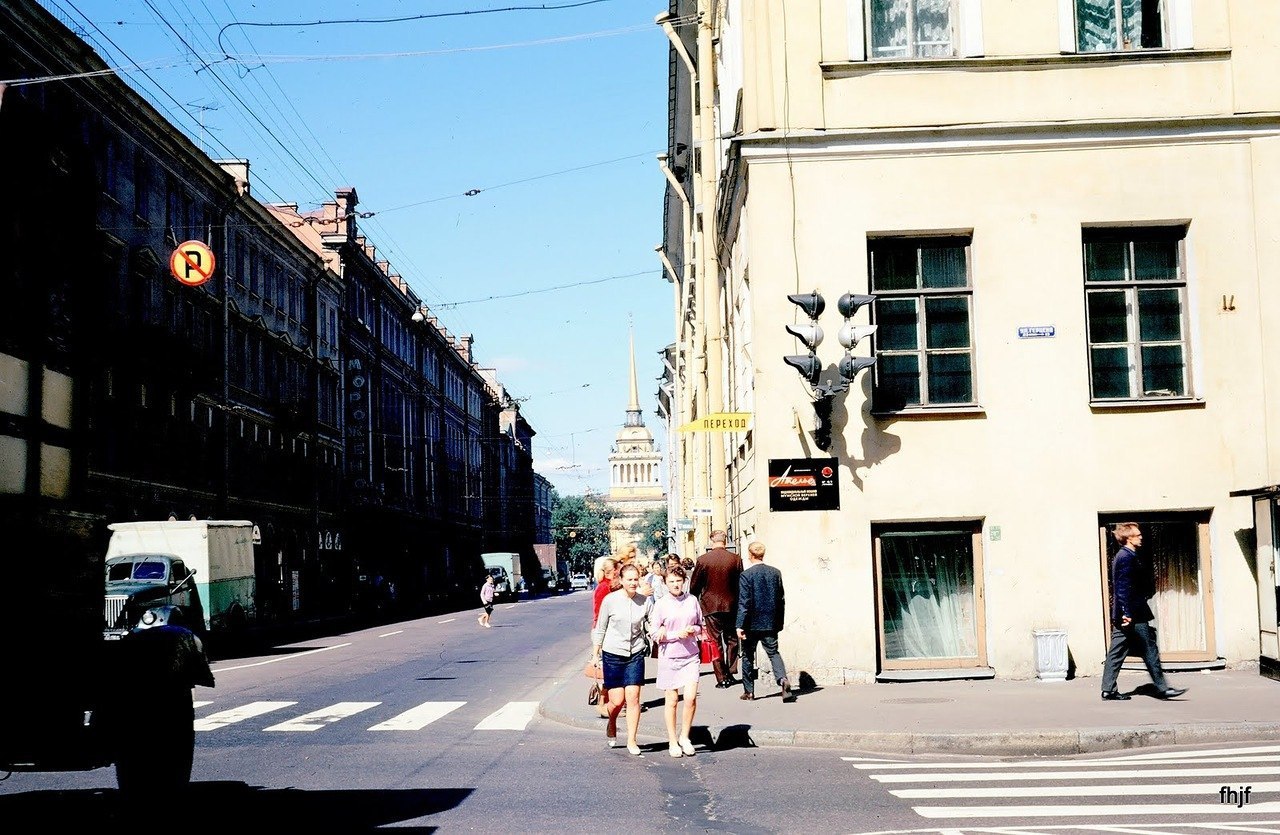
[(720, 422)]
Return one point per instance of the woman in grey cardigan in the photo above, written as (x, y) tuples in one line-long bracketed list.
[(620, 641)]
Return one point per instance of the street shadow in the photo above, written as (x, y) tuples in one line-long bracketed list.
[(731, 736), (336, 810), (436, 678)]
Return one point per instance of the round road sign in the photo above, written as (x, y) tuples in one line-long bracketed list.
[(192, 263)]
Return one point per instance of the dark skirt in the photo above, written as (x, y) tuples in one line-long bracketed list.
[(622, 670)]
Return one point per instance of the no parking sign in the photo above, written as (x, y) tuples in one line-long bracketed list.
[(192, 263)]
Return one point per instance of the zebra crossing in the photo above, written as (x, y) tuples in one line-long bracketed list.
[(1236, 784), (512, 716)]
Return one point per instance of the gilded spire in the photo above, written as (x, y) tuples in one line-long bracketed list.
[(634, 404)]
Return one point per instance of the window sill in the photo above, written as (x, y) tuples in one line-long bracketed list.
[(1147, 405), (917, 412), (843, 69)]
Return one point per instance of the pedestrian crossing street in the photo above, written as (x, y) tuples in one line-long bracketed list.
[(1233, 789), (513, 716)]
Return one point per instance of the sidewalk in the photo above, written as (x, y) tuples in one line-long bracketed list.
[(991, 717)]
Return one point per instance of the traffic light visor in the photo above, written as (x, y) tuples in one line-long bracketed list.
[(810, 335), (851, 365), (811, 303), (849, 304), (851, 335), (808, 365)]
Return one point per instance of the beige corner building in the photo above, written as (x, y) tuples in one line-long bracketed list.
[(1068, 212)]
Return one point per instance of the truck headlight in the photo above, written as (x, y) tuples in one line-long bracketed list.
[(149, 617)]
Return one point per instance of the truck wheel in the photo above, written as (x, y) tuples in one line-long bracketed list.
[(160, 752)]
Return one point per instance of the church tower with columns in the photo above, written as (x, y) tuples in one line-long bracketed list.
[(635, 485)]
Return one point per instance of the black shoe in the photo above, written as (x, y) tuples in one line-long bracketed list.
[(787, 695), (1115, 696), (726, 684), (1173, 692)]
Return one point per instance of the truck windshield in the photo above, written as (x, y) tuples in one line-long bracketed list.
[(149, 570)]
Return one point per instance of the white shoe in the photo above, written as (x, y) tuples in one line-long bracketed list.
[(675, 750), (488, 626), (687, 747), (633, 749), (612, 740)]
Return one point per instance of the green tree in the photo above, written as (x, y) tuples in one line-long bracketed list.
[(580, 525), (650, 532)]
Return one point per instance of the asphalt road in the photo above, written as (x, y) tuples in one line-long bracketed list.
[(431, 725)]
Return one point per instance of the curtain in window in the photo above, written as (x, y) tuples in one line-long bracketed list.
[(910, 28), (1174, 551), (1139, 25), (927, 595)]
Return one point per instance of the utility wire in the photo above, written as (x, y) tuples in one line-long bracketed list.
[(448, 305)]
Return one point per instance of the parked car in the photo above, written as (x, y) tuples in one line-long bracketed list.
[(578, 582), (501, 583)]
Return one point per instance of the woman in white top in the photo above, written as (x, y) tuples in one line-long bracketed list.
[(619, 642)]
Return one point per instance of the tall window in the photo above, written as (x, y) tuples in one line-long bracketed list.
[(924, 344), (1135, 292), (930, 611), (911, 28), (1114, 25)]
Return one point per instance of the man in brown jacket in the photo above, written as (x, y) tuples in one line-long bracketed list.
[(715, 584)]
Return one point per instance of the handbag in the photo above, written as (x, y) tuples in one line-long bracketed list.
[(708, 648), (593, 694)]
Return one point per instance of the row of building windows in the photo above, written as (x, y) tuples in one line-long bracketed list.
[(932, 28), (1135, 299)]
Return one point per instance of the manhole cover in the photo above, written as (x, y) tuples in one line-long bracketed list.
[(921, 701)]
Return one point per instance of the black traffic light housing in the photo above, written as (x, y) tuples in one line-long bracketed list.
[(809, 366)]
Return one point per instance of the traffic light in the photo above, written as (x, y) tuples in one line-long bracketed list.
[(851, 334), (809, 366)]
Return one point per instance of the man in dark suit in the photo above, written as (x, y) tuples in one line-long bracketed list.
[(761, 608), (715, 584), (1133, 582)]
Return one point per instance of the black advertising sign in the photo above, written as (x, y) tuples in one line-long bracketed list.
[(803, 484)]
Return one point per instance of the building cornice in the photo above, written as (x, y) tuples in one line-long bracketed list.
[(1003, 137), (1005, 63)]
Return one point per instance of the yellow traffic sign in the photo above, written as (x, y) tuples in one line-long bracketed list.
[(720, 422)]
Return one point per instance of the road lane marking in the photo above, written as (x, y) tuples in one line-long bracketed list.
[(417, 718), (389, 634), (513, 716), (1136, 789), (450, 620), (200, 704), (1072, 775), (1143, 810), (1063, 763), (280, 658), (317, 719), (238, 714)]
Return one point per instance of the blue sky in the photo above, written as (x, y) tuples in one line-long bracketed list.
[(507, 97)]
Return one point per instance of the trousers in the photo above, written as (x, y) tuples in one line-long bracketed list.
[(769, 640), (1138, 638), (720, 628)]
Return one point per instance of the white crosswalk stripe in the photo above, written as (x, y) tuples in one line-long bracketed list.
[(1122, 788), (238, 714), (513, 716), (417, 718), (317, 719)]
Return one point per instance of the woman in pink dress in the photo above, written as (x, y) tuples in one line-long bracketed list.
[(677, 623)]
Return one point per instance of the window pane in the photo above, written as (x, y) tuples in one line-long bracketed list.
[(1095, 25), (933, 28), (893, 268), (1107, 317), (943, 266), (1159, 315), (950, 378), (1142, 25), (946, 322), (1162, 370), (889, 28), (897, 325), (1105, 261), (1110, 372), (1155, 260), (927, 595), (897, 381)]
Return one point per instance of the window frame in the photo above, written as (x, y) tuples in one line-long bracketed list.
[(1176, 30), (921, 293), (1131, 287), (972, 527)]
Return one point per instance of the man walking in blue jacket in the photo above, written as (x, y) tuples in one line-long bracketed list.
[(1133, 582), (761, 606)]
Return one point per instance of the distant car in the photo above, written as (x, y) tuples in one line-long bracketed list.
[(578, 582)]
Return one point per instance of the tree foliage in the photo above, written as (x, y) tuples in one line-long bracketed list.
[(580, 525), (650, 532)]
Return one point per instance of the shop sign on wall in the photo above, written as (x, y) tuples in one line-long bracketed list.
[(803, 484)]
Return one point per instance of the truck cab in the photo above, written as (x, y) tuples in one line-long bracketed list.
[(149, 590)]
